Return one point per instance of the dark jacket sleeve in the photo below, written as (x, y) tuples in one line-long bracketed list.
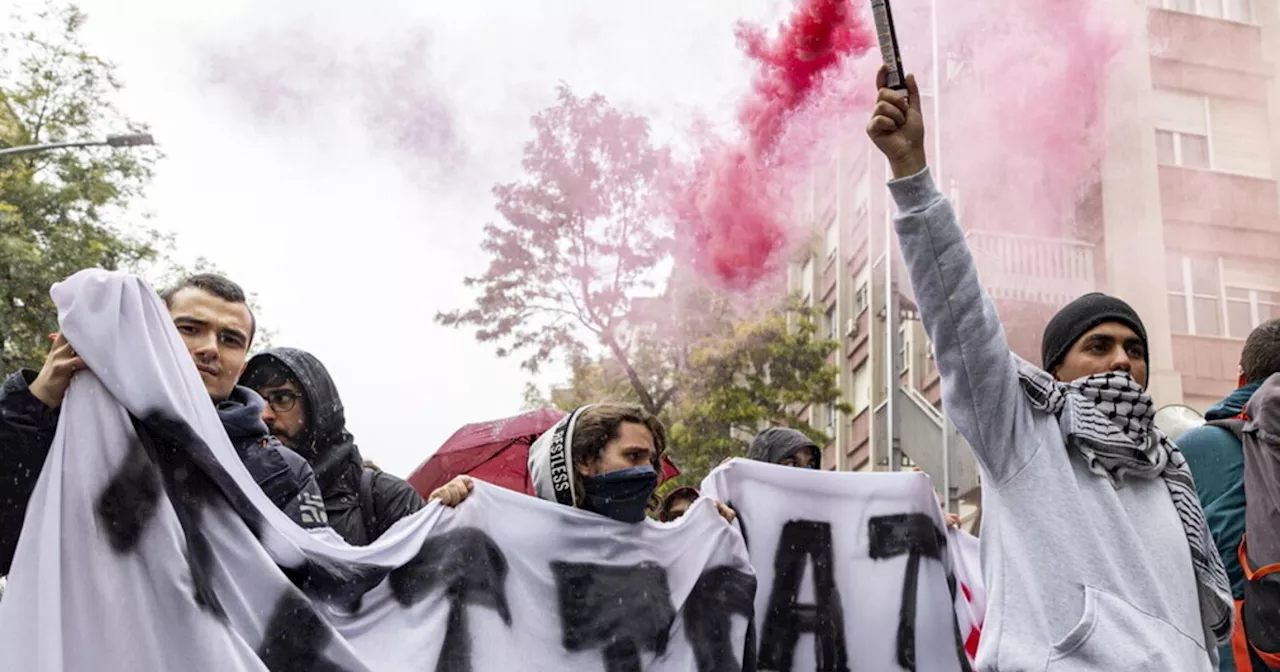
[(290, 484), (27, 427), (393, 499)]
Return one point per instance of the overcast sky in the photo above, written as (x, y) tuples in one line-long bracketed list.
[(336, 159)]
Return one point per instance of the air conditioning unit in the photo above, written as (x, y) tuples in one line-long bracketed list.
[(851, 327)]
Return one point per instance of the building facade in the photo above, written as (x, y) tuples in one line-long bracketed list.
[(1183, 222)]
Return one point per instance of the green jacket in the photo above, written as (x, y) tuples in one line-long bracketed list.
[(1217, 463)]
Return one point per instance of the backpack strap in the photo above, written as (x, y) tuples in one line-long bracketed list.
[(1234, 425), (367, 509)]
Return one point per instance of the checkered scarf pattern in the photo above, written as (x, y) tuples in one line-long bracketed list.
[(1107, 417)]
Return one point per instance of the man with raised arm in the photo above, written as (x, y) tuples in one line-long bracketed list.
[(1095, 551)]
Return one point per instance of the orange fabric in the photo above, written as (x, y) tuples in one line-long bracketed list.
[(1240, 643), (1271, 659), (1251, 574)]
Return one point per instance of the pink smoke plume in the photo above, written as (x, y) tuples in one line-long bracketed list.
[(731, 208), (295, 78)]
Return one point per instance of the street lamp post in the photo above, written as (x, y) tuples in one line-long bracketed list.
[(130, 140)]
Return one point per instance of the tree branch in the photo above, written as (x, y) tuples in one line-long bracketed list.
[(569, 313), (646, 399), (665, 398)]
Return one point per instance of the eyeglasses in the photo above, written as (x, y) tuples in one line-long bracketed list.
[(282, 401)]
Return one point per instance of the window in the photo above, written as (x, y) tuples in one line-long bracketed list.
[(832, 238), (1231, 10), (1238, 10), (861, 397), (832, 415), (1188, 150), (1182, 129), (860, 299), (904, 351), (806, 279), (1206, 133), (1194, 296), (1248, 308), (1239, 134), (833, 333)]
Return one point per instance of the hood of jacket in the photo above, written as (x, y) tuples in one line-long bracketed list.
[(241, 415), (325, 441), (776, 444), (1233, 404), (551, 462), (1263, 407)]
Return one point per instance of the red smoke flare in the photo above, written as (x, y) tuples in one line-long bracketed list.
[(817, 36), (730, 209)]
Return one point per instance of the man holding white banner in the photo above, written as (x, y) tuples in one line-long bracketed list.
[(149, 547)]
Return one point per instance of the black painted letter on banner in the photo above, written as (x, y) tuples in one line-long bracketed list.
[(622, 610), (914, 535), (719, 593), (296, 637), (129, 502), (803, 542), (470, 568)]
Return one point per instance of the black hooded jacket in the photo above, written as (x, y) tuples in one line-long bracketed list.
[(332, 451), (27, 427)]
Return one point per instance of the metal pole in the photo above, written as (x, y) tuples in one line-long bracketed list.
[(891, 324), (842, 432), (938, 79), (30, 149), (937, 97), (130, 140)]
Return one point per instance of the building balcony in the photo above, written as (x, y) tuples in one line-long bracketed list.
[(1031, 269), (1196, 202), (1206, 41)]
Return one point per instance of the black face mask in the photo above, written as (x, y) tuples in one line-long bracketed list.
[(621, 495)]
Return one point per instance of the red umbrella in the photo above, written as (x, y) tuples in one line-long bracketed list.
[(496, 452)]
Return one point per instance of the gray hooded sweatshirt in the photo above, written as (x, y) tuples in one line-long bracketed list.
[(1081, 575), (776, 444)]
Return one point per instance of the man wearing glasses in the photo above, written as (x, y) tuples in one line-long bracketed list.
[(305, 412)]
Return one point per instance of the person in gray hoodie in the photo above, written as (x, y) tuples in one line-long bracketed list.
[(1095, 550), (787, 447)]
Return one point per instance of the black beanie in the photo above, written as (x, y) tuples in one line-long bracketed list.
[(1077, 318)]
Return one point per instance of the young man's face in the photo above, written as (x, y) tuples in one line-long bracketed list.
[(217, 336), (285, 412), (1107, 347), (632, 447)]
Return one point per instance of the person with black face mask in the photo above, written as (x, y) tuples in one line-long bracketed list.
[(602, 458), (787, 447)]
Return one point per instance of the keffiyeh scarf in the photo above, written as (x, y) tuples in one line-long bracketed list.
[(1108, 418)]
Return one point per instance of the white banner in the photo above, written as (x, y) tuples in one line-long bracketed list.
[(853, 569), (147, 546)]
